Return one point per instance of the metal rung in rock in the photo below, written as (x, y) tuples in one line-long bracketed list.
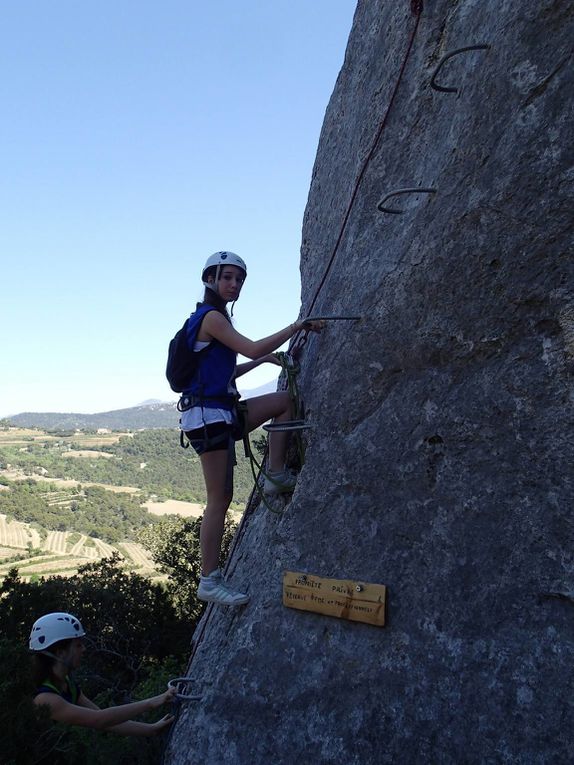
[(331, 318), (288, 425), (178, 681)]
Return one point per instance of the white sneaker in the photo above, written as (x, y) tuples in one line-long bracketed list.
[(212, 588), (281, 482)]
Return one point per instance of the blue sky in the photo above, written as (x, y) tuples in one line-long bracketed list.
[(138, 138)]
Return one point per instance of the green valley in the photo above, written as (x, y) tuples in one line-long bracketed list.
[(68, 498)]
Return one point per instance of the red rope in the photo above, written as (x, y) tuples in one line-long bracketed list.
[(416, 8)]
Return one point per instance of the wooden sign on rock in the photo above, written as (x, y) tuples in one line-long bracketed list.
[(343, 598)]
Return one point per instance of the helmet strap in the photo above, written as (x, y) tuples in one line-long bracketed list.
[(56, 658), (213, 285)]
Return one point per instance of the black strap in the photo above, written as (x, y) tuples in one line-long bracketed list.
[(188, 400), (241, 430)]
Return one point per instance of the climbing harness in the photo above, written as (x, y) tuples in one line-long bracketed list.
[(235, 432), (187, 402), (442, 88), (239, 431)]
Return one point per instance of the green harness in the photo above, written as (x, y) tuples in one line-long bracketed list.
[(72, 695)]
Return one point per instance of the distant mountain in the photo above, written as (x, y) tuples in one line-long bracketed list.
[(149, 414), (269, 387), (160, 415)]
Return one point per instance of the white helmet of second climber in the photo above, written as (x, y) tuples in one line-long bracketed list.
[(52, 628), (222, 258)]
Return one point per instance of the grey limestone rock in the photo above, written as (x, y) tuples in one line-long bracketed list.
[(440, 462)]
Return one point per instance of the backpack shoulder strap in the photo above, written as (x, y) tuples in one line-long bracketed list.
[(194, 322), (74, 689)]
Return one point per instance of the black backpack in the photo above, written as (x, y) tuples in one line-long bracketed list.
[(182, 362)]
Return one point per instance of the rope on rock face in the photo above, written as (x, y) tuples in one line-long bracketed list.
[(256, 475), (291, 369), (299, 341)]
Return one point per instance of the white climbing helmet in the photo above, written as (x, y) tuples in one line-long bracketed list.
[(223, 258), (52, 628)]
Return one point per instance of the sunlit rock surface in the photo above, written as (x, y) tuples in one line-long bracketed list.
[(441, 459)]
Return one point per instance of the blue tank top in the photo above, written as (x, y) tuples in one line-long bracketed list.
[(212, 384)]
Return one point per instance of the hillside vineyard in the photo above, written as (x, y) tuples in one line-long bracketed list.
[(70, 498)]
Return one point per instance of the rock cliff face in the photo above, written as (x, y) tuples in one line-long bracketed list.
[(440, 462)]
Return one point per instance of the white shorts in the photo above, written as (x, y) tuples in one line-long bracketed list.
[(198, 416)]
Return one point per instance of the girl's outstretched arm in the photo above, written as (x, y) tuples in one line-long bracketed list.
[(88, 715), (217, 326), (132, 727), (242, 369)]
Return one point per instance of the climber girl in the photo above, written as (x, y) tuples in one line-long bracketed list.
[(209, 409), (56, 642)]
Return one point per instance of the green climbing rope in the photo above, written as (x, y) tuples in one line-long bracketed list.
[(290, 370)]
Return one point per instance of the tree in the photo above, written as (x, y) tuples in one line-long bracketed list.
[(174, 546), (135, 640), (29, 736)]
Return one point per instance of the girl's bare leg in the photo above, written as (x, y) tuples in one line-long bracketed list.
[(214, 465), (263, 408)]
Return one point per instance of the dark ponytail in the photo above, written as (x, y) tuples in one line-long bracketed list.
[(43, 666), (210, 297)]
